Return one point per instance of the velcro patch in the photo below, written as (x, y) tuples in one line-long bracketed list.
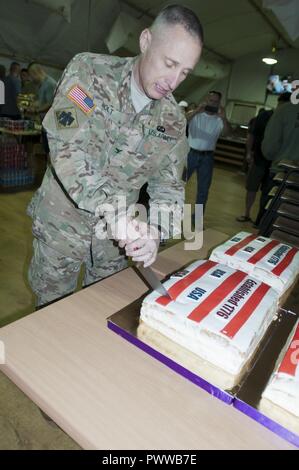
[(66, 118), (81, 99)]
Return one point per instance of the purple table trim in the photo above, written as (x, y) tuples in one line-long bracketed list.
[(215, 391), (267, 422)]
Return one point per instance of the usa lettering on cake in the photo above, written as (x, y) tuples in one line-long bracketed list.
[(212, 325)]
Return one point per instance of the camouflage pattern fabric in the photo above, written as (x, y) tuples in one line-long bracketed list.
[(101, 149), (53, 275)]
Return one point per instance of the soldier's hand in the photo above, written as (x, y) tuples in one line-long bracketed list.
[(143, 246), (126, 231)]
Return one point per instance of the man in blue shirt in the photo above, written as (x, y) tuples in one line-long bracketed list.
[(46, 90)]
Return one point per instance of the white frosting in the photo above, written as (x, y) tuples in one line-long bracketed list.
[(277, 259), (283, 387), (214, 338)]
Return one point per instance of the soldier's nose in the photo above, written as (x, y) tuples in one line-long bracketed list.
[(173, 82)]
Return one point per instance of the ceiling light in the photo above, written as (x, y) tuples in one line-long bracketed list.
[(271, 58)]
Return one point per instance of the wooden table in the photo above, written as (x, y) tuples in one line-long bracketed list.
[(107, 394)]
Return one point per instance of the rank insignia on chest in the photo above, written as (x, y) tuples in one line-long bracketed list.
[(66, 118), (81, 99)]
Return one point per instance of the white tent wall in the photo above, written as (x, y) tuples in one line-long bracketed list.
[(249, 76), (248, 79), (235, 30), (287, 13), (29, 31)]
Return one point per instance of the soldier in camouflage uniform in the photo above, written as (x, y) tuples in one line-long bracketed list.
[(101, 148)]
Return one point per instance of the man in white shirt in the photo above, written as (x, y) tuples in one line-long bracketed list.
[(205, 124)]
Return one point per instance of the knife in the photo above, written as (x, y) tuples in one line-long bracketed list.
[(151, 279), (286, 311)]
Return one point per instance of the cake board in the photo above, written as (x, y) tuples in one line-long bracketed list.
[(125, 323), (249, 394), (244, 397)]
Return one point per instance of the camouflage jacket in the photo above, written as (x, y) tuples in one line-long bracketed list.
[(101, 148)]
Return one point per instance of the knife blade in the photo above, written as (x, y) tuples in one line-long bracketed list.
[(152, 280), (286, 311)]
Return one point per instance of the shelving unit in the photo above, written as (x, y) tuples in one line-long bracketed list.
[(281, 220), (16, 166), (230, 151)]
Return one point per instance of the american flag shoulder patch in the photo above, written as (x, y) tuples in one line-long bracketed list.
[(84, 101)]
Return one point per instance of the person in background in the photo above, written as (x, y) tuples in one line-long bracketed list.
[(183, 105), (14, 74), (12, 84), (248, 158), (2, 72), (2, 76), (259, 166), (28, 86), (205, 125), (191, 107), (281, 142), (46, 89)]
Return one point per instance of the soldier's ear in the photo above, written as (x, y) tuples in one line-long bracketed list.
[(145, 40)]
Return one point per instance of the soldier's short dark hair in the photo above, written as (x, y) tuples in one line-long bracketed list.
[(179, 14)]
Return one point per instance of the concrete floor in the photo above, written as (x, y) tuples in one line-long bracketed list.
[(21, 424)]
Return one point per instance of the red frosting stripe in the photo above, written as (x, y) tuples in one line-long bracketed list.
[(232, 328), (285, 262), (179, 287), (263, 252), (227, 286), (231, 251), (291, 359)]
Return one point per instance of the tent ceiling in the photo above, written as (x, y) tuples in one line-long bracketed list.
[(233, 28), (31, 31)]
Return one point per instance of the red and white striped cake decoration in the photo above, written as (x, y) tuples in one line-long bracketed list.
[(271, 261)]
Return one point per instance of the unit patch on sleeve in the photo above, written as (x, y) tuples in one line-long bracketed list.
[(66, 118)]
